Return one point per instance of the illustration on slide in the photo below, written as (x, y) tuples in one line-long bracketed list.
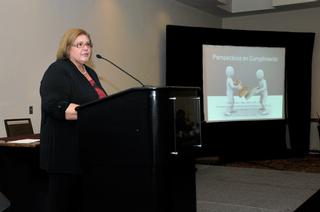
[(245, 93), (230, 86), (262, 90)]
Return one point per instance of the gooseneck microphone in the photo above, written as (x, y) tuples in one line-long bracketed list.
[(100, 57)]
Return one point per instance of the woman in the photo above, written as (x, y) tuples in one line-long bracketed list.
[(66, 84)]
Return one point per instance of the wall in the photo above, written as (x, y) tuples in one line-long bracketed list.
[(130, 33), (294, 21)]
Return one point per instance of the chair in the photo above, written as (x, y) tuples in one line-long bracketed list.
[(16, 127)]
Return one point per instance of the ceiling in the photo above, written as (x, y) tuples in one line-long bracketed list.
[(231, 8)]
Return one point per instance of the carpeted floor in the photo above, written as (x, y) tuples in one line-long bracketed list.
[(309, 163), (272, 185), (237, 189)]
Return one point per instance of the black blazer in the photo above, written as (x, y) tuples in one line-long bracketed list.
[(61, 85)]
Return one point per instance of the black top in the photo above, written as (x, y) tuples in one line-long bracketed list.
[(61, 85)]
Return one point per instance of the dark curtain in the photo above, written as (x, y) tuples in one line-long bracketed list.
[(244, 139)]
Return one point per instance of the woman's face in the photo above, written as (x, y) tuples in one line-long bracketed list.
[(80, 50)]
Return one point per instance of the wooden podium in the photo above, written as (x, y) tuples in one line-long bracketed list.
[(136, 150)]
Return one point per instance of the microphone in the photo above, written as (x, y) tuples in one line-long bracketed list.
[(100, 57)]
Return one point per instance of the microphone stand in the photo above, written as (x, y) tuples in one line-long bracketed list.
[(100, 57)]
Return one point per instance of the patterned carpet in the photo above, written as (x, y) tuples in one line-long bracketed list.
[(309, 163)]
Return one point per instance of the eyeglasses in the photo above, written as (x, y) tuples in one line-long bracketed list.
[(82, 45)]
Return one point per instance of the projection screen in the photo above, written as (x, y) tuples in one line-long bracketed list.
[(243, 83)]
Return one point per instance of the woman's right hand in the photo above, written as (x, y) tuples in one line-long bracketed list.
[(71, 113)]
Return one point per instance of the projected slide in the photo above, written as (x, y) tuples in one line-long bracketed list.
[(243, 83)]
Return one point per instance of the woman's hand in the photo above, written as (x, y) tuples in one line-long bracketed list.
[(71, 113)]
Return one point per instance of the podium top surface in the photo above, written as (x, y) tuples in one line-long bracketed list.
[(146, 89)]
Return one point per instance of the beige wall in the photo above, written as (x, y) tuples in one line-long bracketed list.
[(129, 32), (296, 21)]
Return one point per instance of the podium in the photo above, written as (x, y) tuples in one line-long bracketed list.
[(136, 150)]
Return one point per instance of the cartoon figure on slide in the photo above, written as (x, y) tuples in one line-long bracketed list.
[(230, 86), (262, 90)]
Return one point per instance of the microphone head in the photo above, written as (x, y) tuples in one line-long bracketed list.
[(99, 56)]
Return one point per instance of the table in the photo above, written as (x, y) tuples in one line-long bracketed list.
[(21, 180), (4, 141)]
